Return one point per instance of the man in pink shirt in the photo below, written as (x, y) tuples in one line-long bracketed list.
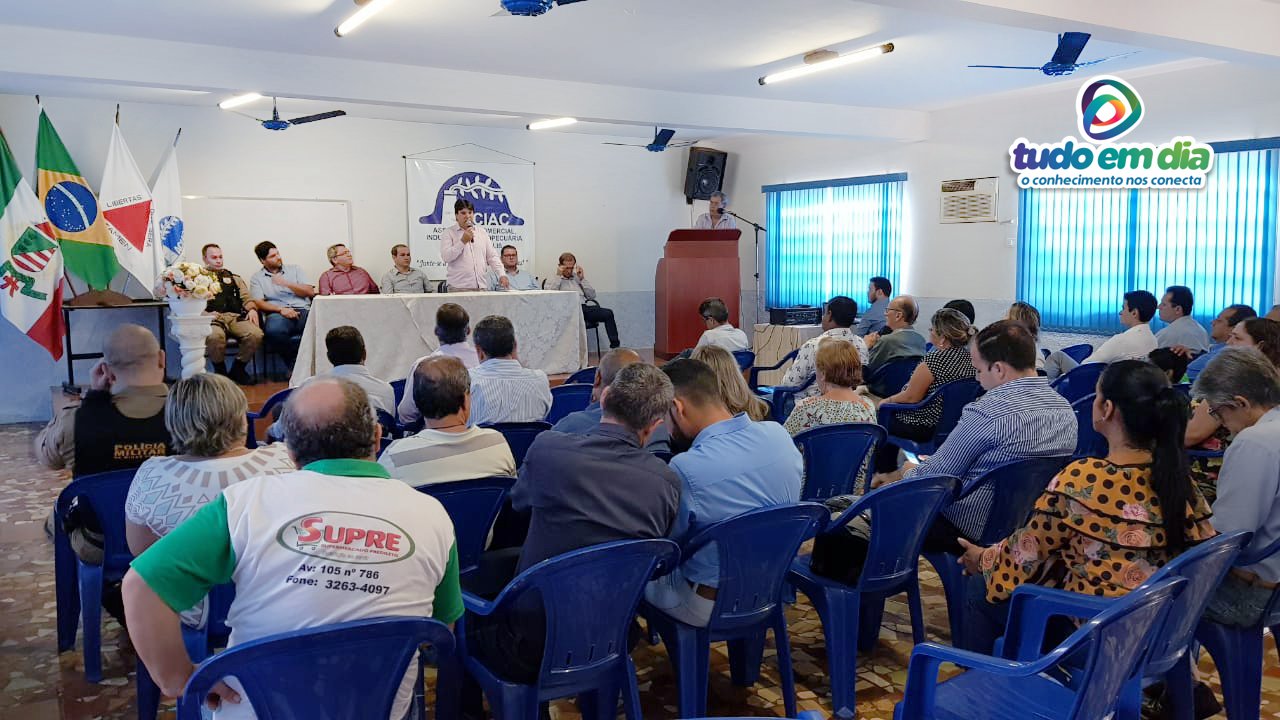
[(468, 253), (344, 278)]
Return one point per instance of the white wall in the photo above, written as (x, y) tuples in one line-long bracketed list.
[(611, 206)]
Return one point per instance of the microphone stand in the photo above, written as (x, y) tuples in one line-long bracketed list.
[(758, 229)]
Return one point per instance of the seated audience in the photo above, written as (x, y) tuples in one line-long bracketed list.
[(1219, 332), (503, 390), (837, 321), (517, 279), (948, 361), (254, 532), (837, 401), (965, 307), (344, 347), (1260, 333), (120, 421), (234, 315), (1173, 365), (900, 340), (1103, 525), (878, 292), (344, 278), (1182, 329), (1135, 343), (570, 276), (720, 332), (584, 421), (1242, 388), (453, 327), (733, 465), (447, 449), (205, 416), (402, 278), (282, 296), (1026, 315), (584, 490), (1019, 417), (734, 390)]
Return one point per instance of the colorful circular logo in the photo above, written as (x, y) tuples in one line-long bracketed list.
[(1109, 108)]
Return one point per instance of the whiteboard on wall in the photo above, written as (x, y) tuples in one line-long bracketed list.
[(302, 229)]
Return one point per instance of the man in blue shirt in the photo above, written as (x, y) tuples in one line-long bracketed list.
[(1219, 331), (734, 465), (283, 296), (878, 292), (585, 421), (517, 279)]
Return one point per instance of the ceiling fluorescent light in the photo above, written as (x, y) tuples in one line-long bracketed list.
[(824, 61), (368, 10), (239, 100), (552, 123)]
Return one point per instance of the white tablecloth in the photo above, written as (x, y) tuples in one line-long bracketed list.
[(399, 329), (773, 342)]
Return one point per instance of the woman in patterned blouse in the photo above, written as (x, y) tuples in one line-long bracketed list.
[(839, 371), (1103, 525)]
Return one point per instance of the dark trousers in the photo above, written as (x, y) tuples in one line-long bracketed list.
[(279, 332), (596, 314), (984, 622), (887, 454)]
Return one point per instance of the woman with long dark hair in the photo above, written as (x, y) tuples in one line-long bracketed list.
[(1103, 525)]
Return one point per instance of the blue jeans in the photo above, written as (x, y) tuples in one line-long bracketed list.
[(279, 330)]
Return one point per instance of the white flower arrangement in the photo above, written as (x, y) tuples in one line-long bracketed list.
[(186, 280)]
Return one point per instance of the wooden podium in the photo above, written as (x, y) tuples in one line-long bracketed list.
[(695, 265)]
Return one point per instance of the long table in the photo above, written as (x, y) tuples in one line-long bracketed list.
[(399, 329)]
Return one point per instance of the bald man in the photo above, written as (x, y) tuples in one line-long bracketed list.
[(335, 541), (120, 421), (585, 421)]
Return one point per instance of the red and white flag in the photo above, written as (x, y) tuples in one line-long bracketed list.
[(125, 200)]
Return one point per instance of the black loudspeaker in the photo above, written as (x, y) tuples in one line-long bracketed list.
[(705, 174)]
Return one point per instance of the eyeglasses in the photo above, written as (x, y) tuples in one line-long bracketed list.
[(1215, 411)]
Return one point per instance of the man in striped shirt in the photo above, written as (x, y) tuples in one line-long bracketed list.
[(1019, 417), (503, 390)]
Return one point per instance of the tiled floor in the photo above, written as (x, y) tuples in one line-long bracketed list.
[(38, 684)]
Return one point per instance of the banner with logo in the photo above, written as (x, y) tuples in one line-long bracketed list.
[(502, 194)]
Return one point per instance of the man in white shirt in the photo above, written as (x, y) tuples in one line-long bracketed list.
[(1135, 343), (468, 253), (1182, 330), (720, 332), (502, 390), (716, 219), (837, 322), (517, 279), (446, 449), (453, 327), (344, 346)]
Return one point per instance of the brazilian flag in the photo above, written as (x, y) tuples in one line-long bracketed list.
[(73, 211)]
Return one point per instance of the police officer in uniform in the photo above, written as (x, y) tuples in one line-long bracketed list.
[(235, 316)]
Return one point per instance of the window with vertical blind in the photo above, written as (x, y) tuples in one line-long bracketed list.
[(830, 237), (1080, 251)]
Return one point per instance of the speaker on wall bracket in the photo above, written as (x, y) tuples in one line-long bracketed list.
[(705, 174)]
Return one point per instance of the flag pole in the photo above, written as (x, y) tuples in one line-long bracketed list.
[(176, 137), (117, 113)]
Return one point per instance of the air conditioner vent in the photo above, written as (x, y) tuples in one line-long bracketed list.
[(971, 200)]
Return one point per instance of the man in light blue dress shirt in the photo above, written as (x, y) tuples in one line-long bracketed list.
[(1219, 331), (517, 279), (503, 390), (283, 296), (1182, 329), (734, 465), (878, 292)]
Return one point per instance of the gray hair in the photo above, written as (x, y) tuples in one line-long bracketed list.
[(724, 199), (206, 415), (1239, 371), (319, 429), (638, 395), (951, 325)]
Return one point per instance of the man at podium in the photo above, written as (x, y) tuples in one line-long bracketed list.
[(716, 219)]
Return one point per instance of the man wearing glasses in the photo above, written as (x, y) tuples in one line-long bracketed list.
[(899, 341), (720, 332), (344, 278)]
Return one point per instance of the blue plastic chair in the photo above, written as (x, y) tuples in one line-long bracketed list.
[(1014, 488), (1111, 645), (347, 670), (520, 436), (1170, 655), (200, 642), (833, 457), (589, 598), (901, 514), (567, 399), (1237, 652), (782, 399), (398, 387), (746, 359), (894, 374), (251, 441), (585, 376), (755, 550), (78, 585), (472, 505), (1078, 352), (753, 374), (1089, 442), (954, 396), (1079, 381)]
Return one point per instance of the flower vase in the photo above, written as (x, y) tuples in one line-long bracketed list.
[(189, 325)]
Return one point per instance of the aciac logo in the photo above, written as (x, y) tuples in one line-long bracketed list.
[(488, 197), (346, 537), (1107, 108)]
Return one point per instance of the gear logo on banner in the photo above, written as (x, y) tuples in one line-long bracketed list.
[(488, 197)]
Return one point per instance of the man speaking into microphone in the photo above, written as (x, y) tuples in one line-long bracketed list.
[(468, 253), (716, 219)]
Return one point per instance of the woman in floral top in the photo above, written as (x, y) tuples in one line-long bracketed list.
[(1101, 526), (839, 371)]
